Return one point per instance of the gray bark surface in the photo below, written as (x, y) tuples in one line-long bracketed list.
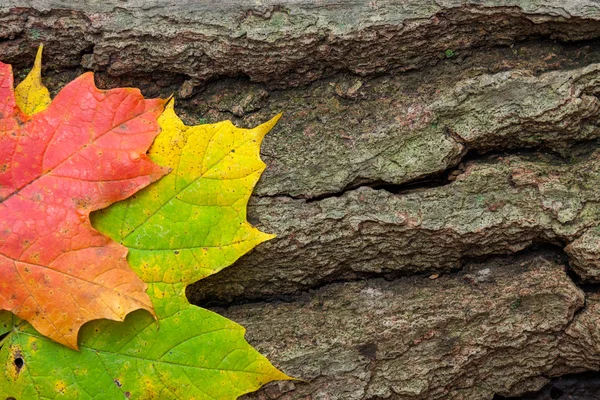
[(433, 182), (493, 328)]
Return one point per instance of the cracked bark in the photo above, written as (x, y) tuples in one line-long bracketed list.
[(496, 327), (419, 139), (498, 205)]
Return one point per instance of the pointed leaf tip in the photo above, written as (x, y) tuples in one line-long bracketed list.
[(266, 127), (31, 94)]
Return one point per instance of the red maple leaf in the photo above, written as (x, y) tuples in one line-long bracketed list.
[(84, 152)]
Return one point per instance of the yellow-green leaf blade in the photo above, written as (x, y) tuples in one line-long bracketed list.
[(192, 223)]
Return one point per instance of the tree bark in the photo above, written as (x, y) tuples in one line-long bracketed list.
[(432, 184)]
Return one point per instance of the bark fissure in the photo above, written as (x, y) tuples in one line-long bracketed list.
[(449, 175), (311, 41), (538, 248)]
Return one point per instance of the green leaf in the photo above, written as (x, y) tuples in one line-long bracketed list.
[(189, 353)]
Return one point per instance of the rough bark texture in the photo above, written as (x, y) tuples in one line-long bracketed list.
[(492, 328), (433, 182)]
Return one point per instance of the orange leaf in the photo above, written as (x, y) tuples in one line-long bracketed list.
[(84, 152)]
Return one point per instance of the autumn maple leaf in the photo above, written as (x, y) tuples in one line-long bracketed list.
[(190, 224), (84, 152)]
